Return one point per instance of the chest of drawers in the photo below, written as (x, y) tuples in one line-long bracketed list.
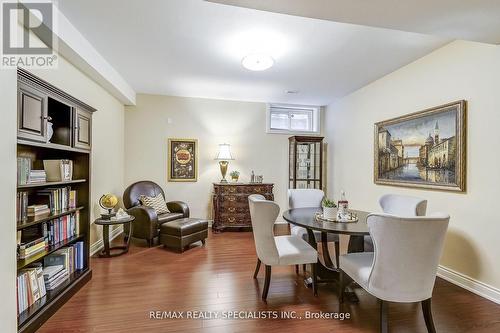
[(230, 204)]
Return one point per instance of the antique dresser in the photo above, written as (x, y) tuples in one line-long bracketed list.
[(230, 204)]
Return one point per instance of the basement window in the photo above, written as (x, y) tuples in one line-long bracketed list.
[(293, 119)]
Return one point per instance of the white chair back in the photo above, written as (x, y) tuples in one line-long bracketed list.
[(407, 253), (305, 198), (263, 214), (403, 205)]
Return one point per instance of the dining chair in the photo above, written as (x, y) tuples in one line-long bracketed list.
[(404, 264), (276, 250), (309, 198), (400, 205)]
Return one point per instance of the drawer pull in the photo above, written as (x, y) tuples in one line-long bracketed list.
[(231, 219), (257, 189), (231, 209), (231, 199)]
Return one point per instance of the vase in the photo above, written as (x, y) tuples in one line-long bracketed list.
[(234, 179), (329, 213), (50, 131)]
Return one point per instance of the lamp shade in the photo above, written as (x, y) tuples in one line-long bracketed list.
[(224, 153)]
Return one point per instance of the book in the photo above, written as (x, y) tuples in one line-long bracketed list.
[(36, 210), (23, 170), (51, 271), (72, 199), (37, 176), (22, 206)]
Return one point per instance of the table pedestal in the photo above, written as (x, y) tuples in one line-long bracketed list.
[(106, 252), (326, 272)]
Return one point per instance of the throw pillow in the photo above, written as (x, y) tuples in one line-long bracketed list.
[(157, 203)]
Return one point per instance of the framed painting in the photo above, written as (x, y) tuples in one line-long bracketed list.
[(182, 160), (425, 149)]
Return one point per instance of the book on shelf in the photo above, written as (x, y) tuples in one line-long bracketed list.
[(23, 170), (37, 176), (30, 286), (22, 205), (72, 199), (62, 228), (36, 210), (29, 249), (34, 281), (57, 198)]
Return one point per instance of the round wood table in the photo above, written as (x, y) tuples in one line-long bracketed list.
[(106, 252), (306, 217)]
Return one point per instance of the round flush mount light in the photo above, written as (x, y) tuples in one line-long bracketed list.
[(257, 62)]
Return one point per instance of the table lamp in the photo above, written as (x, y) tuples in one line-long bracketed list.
[(223, 156)]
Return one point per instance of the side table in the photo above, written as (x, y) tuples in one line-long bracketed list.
[(106, 253)]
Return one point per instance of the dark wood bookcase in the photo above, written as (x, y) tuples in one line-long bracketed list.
[(39, 102)]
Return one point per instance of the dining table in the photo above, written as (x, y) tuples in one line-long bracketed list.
[(310, 219)]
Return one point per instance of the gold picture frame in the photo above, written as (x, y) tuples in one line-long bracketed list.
[(182, 164), (425, 149)]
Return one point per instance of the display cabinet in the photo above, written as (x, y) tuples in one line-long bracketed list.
[(306, 162)]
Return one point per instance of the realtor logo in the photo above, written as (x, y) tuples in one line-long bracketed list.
[(28, 38)]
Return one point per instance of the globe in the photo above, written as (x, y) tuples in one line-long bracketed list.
[(108, 201)]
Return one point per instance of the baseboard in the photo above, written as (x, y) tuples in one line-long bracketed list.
[(97, 246), (477, 287)]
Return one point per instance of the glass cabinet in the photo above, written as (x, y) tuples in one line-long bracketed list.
[(305, 162)]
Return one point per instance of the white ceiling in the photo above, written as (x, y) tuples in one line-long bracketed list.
[(194, 48), (475, 20)]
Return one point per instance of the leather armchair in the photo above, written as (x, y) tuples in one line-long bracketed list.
[(147, 222)]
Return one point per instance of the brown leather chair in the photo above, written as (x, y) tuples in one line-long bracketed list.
[(147, 222)]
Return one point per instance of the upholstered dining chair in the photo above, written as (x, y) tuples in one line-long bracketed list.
[(404, 264), (276, 250), (400, 205), (309, 198)]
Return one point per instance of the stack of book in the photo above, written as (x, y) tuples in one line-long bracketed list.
[(36, 210), (61, 264), (22, 206), (23, 170), (37, 176), (31, 248), (60, 198), (62, 228), (30, 287)]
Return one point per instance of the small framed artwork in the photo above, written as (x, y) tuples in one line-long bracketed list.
[(182, 160), (425, 149)]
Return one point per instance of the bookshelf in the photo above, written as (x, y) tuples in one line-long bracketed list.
[(41, 105)]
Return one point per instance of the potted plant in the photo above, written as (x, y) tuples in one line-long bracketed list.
[(234, 175), (329, 211)]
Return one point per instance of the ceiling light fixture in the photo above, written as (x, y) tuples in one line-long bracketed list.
[(257, 62)]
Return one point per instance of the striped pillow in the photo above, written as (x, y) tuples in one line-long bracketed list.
[(157, 203)]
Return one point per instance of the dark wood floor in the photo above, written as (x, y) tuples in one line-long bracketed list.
[(218, 277)]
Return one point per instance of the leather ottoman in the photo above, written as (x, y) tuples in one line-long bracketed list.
[(180, 233)]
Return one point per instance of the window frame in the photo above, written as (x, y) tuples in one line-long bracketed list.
[(315, 118)]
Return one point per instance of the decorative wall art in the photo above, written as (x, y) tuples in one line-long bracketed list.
[(425, 149), (182, 160)]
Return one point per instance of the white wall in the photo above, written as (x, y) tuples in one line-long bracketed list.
[(460, 70), (8, 112), (241, 124)]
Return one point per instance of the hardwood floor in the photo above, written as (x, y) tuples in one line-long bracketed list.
[(218, 277)]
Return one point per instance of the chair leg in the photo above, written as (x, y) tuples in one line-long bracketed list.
[(257, 268), (384, 327), (304, 268), (314, 278), (426, 309), (267, 282), (150, 242), (297, 269), (337, 254)]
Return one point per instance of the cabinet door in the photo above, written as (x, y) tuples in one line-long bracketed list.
[(32, 114), (82, 129)]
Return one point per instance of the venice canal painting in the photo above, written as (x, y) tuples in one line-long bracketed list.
[(424, 149)]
